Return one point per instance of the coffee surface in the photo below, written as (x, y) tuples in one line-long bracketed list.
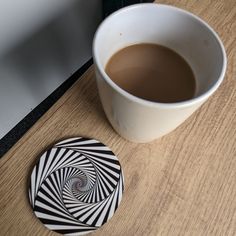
[(152, 72)]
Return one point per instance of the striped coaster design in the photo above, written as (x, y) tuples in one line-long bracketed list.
[(76, 186)]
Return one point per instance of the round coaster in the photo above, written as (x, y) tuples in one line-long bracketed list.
[(76, 186)]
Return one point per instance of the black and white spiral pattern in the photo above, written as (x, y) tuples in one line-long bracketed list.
[(76, 186)]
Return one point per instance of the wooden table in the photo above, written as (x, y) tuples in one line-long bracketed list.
[(181, 184)]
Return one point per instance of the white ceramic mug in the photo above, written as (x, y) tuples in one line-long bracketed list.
[(137, 119)]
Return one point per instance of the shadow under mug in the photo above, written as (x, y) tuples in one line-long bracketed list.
[(139, 120)]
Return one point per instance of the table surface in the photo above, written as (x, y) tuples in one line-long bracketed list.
[(181, 184)]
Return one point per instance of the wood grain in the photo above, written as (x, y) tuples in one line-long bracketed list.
[(181, 184)]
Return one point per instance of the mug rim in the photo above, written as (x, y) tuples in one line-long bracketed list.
[(149, 103)]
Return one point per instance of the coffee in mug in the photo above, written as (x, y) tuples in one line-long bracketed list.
[(152, 72)]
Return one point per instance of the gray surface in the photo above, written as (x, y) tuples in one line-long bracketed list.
[(19, 19), (33, 68)]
